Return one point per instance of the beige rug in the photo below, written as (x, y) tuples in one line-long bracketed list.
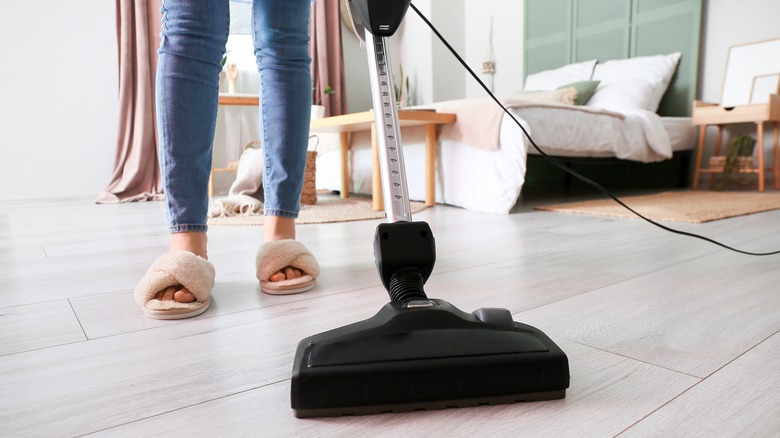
[(329, 208), (692, 207)]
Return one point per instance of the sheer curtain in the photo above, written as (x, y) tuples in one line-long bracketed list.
[(136, 174), (327, 56)]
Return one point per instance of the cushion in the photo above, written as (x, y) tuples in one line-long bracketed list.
[(566, 96), (585, 90), (551, 79), (634, 83)]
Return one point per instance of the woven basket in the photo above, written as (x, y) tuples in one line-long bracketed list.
[(309, 192)]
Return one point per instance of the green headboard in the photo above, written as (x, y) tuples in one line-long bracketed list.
[(560, 32)]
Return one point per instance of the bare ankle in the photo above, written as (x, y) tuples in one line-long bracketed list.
[(194, 242), (278, 228)]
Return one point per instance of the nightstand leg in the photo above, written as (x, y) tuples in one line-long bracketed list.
[(699, 152), (344, 137), (777, 157), (430, 165), (376, 176), (761, 169), (718, 143)]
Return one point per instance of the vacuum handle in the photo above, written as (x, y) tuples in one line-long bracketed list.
[(388, 131)]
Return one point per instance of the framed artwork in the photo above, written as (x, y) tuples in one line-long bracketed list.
[(752, 73), (763, 86)]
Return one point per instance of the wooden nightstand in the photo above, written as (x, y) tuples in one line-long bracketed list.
[(708, 114), (365, 121)]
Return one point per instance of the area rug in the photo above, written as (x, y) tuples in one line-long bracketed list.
[(328, 209), (691, 207)]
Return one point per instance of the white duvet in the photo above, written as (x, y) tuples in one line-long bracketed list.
[(490, 181)]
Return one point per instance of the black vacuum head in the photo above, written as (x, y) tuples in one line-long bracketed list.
[(425, 354)]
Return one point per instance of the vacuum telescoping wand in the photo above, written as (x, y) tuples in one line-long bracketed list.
[(416, 352)]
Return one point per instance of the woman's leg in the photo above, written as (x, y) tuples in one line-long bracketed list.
[(194, 33), (281, 38)]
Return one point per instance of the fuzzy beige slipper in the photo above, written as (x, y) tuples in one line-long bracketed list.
[(274, 256), (171, 269)]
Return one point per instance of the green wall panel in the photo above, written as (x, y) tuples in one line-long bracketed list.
[(559, 32)]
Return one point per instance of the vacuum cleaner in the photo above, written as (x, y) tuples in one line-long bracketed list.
[(417, 352)]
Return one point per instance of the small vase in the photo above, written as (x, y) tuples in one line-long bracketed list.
[(317, 111)]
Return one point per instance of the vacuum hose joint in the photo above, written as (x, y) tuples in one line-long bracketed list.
[(404, 253), (407, 284)]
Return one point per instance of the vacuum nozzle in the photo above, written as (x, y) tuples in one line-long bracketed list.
[(425, 354)]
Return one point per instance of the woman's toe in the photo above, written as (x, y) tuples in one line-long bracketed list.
[(167, 294), (279, 276), (183, 296), (290, 273)]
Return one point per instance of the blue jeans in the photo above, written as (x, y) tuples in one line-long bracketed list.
[(193, 38)]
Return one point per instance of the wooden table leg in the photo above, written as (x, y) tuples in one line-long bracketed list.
[(211, 184), (430, 165), (718, 143), (761, 169), (344, 137), (777, 157), (376, 176), (699, 152)]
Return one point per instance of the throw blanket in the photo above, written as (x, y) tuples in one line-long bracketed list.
[(244, 195), (479, 120)]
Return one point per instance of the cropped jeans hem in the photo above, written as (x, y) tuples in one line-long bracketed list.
[(282, 213), (188, 228)]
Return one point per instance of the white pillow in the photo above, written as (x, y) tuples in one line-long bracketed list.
[(633, 83), (552, 79)]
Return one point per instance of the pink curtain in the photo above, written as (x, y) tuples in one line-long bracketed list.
[(327, 57), (136, 175)]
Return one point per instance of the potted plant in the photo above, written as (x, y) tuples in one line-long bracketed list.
[(317, 108), (222, 72), (737, 164), (399, 91)]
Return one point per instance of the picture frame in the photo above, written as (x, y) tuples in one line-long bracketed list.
[(763, 86), (752, 73)]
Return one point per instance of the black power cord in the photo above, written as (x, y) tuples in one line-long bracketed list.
[(562, 166)]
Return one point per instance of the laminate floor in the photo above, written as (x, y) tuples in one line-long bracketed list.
[(666, 335)]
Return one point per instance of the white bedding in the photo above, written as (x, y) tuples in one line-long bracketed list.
[(490, 181), (638, 136)]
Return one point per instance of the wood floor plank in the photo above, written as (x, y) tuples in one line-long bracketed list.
[(693, 318), (606, 391), (643, 315), (36, 326), (516, 284), (55, 282), (87, 386), (116, 313), (739, 400)]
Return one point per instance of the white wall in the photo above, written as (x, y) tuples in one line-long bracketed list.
[(726, 23), (414, 43), (58, 89), (355, 72), (448, 74), (507, 45)]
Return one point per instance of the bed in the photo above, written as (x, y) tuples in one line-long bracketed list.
[(482, 159), (633, 65)]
